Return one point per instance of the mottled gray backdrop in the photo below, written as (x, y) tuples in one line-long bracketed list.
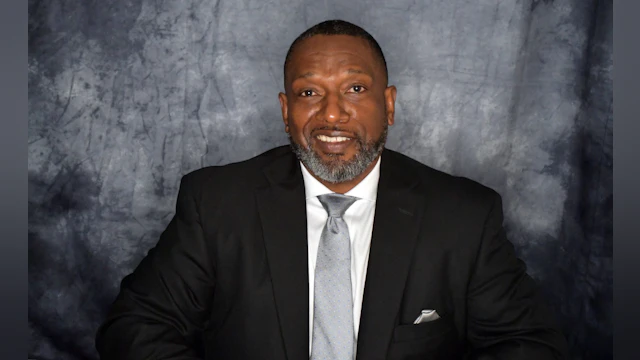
[(127, 96)]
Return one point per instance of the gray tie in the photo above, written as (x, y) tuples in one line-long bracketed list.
[(333, 331)]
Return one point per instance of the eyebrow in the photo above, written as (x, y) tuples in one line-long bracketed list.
[(348, 71)]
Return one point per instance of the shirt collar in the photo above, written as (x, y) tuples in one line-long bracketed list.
[(367, 188)]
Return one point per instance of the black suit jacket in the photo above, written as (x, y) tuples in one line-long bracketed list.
[(228, 278)]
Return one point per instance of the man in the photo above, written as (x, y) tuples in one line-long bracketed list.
[(333, 247)]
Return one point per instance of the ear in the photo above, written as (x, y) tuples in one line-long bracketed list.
[(390, 103), (285, 110)]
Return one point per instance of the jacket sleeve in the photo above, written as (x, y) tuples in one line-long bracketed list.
[(163, 304), (507, 317)]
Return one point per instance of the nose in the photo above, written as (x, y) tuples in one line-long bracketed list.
[(333, 110)]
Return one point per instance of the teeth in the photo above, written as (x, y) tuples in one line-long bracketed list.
[(332, 138)]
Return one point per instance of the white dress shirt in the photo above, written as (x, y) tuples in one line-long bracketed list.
[(359, 219)]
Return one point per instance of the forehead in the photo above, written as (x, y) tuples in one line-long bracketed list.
[(330, 51)]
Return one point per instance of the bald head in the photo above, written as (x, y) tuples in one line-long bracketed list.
[(336, 27)]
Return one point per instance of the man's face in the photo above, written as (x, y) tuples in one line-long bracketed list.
[(337, 106)]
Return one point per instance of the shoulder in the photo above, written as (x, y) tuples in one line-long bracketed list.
[(242, 174), (442, 186)]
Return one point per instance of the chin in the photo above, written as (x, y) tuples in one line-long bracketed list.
[(332, 157)]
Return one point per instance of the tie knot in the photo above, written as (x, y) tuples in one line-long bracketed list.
[(336, 204)]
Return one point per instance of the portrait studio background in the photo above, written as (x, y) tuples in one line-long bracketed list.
[(125, 97)]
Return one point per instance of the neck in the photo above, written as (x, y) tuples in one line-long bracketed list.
[(346, 186)]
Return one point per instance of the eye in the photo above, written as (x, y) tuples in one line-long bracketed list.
[(307, 93), (357, 89)]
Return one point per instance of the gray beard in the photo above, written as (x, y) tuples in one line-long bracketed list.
[(338, 171)]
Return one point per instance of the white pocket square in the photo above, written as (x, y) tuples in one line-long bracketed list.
[(426, 316)]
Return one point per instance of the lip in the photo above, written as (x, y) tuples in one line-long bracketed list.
[(333, 147), (332, 133)]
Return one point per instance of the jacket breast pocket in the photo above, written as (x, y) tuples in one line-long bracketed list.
[(432, 340)]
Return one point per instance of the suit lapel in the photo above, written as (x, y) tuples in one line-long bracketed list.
[(397, 218), (282, 210)]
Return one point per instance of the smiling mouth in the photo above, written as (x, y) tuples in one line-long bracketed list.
[(332, 139)]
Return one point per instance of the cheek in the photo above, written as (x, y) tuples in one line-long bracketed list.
[(298, 130), (371, 120), (300, 119)]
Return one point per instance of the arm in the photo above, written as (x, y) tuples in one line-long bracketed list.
[(507, 318), (163, 305)]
